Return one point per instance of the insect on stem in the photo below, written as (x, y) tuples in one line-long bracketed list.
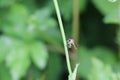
[(70, 43)]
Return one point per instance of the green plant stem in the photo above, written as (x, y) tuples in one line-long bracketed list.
[(75, 31), (63, 36), (75, 27)]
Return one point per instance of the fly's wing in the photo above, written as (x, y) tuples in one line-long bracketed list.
[(69, 45), (74, 44)]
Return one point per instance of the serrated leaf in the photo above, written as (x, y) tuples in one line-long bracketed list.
[(85, 55), (17, 58), (39, 54), (99, 71), (19, 69), (43, 19), (25, 33), (105, 6), (19, 24), (47, 26)]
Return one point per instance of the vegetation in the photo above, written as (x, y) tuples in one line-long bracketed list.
[(31, 46)]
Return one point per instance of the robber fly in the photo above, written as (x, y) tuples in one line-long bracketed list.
[(70, 43)]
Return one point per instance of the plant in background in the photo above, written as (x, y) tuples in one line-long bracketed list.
[(72, 75), (27, 54)]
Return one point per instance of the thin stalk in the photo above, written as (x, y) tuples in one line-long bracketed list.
[(63, 35), (75, 27), (75, 31)]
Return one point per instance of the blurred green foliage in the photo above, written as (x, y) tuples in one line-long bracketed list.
[(31, 46)]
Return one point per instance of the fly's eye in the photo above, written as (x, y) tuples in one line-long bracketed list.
[(69, 40)]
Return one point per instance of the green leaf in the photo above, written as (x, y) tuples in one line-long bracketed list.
[(39, 54), (84, 58), (18, 15), (105, 6), (43, 20), (22, 32), (17, 58), (113, 17), (47, 26), (52, 36), (19, 24), (85, 55), (4, 47), (109, 55), (43, 14), (99, 70)]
